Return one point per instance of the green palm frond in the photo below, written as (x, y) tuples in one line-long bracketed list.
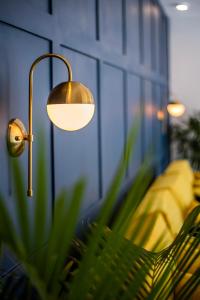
[(103, 266)]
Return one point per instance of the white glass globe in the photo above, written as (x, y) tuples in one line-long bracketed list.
[(176, 109), (70, 117), (70, 105)]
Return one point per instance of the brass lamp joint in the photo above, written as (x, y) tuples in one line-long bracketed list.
[(29, 138)]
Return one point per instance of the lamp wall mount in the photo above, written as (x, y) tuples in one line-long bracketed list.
[(16, 137)]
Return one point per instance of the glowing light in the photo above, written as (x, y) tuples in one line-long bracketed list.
[(182, 7), (160, 115), (70, 117), (175, 109)]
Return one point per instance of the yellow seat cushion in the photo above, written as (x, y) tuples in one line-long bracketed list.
[(197, 182), (181, 166), (196, 294), (179, 187), (163, 201), (152, 229), (196, 191), (197, 175)]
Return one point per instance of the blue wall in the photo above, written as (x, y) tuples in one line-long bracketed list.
[(118, 48)]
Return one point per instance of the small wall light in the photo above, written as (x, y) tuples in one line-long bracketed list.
[(175, 109), (70, 106), (160, 115), (182, 7)]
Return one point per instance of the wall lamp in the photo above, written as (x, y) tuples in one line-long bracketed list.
[(70, 106), (175, 108)]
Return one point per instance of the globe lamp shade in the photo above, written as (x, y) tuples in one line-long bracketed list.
[(175, 109), (70, 106)]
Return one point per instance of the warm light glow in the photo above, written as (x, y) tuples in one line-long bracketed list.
[(182, 7), (70, 116), (160, 115), (176, 109)]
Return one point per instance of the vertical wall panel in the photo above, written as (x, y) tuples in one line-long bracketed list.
[(134, 111), (156, 24), (158, 128), (40, 4), (165, 137), (133, 30), (112, 115), (76, 19), (111, 18), (147, 32), (163, 46), (76, 153), (148, 116)]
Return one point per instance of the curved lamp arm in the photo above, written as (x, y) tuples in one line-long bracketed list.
[(30, 112)]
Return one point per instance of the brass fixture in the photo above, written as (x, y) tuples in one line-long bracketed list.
[(70, 106)]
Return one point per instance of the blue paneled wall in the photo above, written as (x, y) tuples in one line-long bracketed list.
[(119, 49)]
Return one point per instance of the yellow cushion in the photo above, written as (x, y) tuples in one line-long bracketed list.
[(163, 201), (181, 166), (147, 238), (197, 175), (180, 188), (196, 181), (196, 191), (196, 294)]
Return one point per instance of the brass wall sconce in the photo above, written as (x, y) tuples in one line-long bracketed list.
[(70, 107)]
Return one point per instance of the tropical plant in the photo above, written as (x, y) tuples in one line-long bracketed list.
[(186, 136), (104, 265)]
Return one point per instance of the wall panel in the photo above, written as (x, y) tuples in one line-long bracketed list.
[(133, 30), (112, 125), (147, 32), (134, 115), (76, 153), (111, 25), (148, 116), (44, 5), (158, 125), (76, 18)]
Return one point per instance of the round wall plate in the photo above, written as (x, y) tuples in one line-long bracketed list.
[(16, 134)]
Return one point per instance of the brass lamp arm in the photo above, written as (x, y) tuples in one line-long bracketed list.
[(30, 112)]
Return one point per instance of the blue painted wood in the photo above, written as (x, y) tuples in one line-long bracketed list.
[(43, 5), (156, 40), (147, 32), (148, 117), (158, 125), (133, 30), (77, 18), (134, 115), (111, 22), (112, 126)]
